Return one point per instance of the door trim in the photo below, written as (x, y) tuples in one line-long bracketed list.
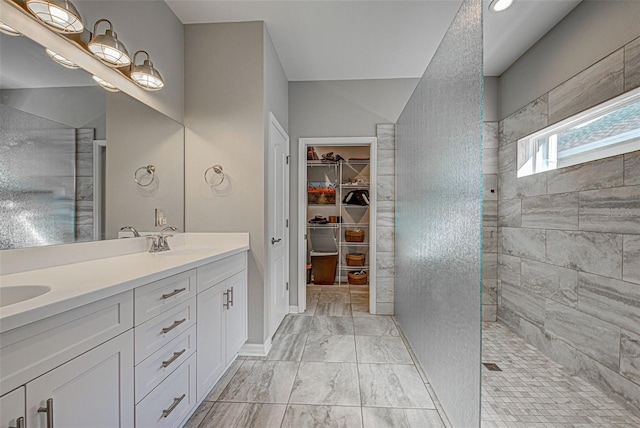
[(303, 143)]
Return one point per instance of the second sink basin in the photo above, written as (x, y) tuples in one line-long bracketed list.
[(19, 293)]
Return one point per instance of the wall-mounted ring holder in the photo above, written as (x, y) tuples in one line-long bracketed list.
[(217, 169), (145, 178)]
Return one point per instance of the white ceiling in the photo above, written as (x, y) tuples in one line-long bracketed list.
[(352, 39)]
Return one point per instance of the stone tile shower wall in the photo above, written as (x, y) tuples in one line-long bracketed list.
[(385, 219), (490, 222), (569, 240)]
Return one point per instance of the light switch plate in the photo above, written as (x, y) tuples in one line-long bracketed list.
[(160, 219)]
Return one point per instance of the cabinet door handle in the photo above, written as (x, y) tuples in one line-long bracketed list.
[(173, 293), (49, 411), (176, 401), (174, 325), (175, 356), (19, 423), (231, 296), (226, 298)]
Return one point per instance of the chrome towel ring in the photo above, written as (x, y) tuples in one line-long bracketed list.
[(150, 171), (218, 170)]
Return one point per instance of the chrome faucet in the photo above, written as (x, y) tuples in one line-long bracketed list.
[(163, 244), (131, 229)]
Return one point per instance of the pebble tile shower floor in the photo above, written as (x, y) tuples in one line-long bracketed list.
[(532, 391), (334, 366)]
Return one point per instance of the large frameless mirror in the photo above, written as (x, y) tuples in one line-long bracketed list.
[(608, 129), (68, 152)]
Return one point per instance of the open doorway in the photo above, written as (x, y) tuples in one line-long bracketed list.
[(337, 206)]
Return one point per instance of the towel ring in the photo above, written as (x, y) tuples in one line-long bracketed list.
[(218, 170), (150, 169)]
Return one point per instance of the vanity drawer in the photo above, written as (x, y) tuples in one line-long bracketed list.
[(213, 273), (172, 401), (30, 351), (159, 331), (155, 298), (153, 370)]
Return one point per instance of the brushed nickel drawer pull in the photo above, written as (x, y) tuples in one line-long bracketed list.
[(173, 293), (231, 296), (19, 423), (49, 411), (174, 325), (176, 355), (176, 401), (226, 298)]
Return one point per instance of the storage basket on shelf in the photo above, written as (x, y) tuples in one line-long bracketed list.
[(357, 278), (354, 235), (356, 259)]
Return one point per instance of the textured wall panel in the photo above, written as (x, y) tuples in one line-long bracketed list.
[(439, 199)]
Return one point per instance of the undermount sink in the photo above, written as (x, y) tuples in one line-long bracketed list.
[(20, 293)]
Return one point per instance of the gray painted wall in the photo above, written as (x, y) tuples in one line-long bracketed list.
[(591, 31), (569, 239), (346, 108), (152, 26), (438, 223), (225, 124), (137, 136)]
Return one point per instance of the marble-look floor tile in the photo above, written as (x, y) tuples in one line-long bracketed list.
[(392, 385), (295, 324), (380, 417), (198, 416), (361, 310), (287, 347), (261, 382), (299, 416), (334, 297), (382, 349), (243, 415), (326, 383), (375, 326), (224, 380), (331, 325), (312, 304), (330, 349), (385, 308), (333, 309)]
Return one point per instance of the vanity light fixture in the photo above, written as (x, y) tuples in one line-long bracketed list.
[(61, 60), (5, 29), (61, 15), (108, 48), (105, 85), (500, 5), (145, 75)]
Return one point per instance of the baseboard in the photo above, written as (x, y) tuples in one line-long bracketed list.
[(293, 309), (256, 349)]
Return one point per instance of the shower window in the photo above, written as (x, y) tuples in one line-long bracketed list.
[(608, 129)]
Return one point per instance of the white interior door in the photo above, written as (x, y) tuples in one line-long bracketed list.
[(278, 224)]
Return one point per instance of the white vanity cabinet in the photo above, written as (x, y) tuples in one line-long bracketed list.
[(74, 369), (221, 318), (12, 409), (93, 390)]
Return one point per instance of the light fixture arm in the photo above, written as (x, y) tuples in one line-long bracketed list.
[(95, 26), (133, 63)]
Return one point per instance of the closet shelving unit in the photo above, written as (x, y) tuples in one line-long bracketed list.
[(350, 175)]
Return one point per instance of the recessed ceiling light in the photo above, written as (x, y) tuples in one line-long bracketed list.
[(500, 5), (106, 85), (5, 29), (61, 60)]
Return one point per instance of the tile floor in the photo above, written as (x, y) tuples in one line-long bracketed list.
[(532, 391), (334, 366)]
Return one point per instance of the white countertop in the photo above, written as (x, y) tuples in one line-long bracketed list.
[(77, 284)]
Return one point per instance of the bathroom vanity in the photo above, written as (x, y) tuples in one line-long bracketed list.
[(126, 339)]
